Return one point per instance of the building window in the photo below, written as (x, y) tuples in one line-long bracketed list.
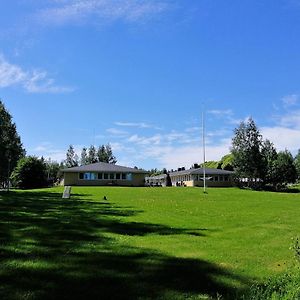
[(105, 176), (123, 176), (118, 176), (87, 176), (100, 176), (111, 176)]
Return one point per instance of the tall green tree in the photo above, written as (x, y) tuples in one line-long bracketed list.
[(84, 157), (101, 154), (284, 170), (11, 148), (111, 159), (269, 155), (92, 155), (297, 164), (246, 149), (71, 158), (105, 154)]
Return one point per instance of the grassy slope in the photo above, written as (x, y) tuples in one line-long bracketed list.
[(142, 242)]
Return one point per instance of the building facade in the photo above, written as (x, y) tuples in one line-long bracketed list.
[(194, 177), (104, 174)]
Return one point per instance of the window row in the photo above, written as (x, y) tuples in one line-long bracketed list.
[(212, 178), (105, 176)]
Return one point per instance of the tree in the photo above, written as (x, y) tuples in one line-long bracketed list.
[(111, 159), (11, 148), (72, 158), (52, 170), (284, 170), (269, 155), (297, 164), (226, 162), (246, 149), (83, 157), (101, 154), (92, 157), (105, 154), (30, 172)]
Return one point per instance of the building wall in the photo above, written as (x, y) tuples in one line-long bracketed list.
[(194, 180), (214, 183), (73, 179)]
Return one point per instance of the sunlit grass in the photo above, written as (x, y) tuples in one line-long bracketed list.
[(168, 243)]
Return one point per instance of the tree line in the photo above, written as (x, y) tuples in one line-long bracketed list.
[(90, 155), (257, 163)]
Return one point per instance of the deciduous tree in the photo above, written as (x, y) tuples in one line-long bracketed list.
[(246, 149), (30, 172)]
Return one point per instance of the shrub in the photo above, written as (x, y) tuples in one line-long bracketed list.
[(29, 173)]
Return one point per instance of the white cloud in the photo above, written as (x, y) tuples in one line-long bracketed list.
[(136, 124), (282, 137), (290, 100), (226, 114), (32, 81), (291, 119), (70, 11), (172, 157), (117, 132)]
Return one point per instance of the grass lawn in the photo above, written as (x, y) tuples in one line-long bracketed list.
[(143, 243)]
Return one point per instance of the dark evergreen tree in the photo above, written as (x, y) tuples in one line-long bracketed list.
[(105, 154), (84, 157), (111, 159), (101, 154), (29, 173), (11, 149), (72, 158), (168, 180), (92, 157), (297, 164)]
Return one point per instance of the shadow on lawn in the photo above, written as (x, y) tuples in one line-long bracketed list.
[(57, 249)]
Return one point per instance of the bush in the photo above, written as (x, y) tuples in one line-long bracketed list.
[(282, 287), (29, 173)]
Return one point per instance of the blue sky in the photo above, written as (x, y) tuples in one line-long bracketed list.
[(136, 73)]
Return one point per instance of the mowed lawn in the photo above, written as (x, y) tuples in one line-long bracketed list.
[(143, 243)]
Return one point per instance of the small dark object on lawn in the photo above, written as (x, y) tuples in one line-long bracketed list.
[(104, 198)]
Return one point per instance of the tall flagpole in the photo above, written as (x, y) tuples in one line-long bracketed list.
[(203, 144)]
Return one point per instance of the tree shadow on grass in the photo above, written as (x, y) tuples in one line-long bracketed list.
[(53, 249)]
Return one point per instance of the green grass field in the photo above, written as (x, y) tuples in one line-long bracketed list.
[(143, 243)]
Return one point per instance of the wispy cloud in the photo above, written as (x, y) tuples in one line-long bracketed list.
[(61, 12), (226, 114), (34, 81), (117, 132), (173, 157), (136, 124), (283, 137), (290, 100), (291, 119)]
